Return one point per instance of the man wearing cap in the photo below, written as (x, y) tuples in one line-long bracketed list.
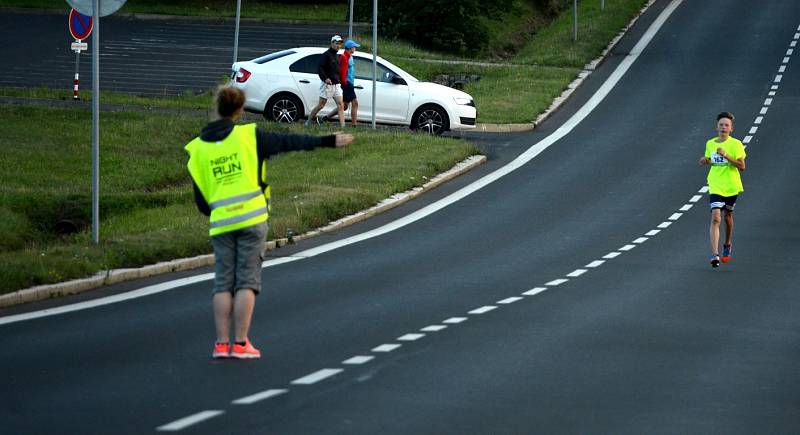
[(328, 72), (347, 75)]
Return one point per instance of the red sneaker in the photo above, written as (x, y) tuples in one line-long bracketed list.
[(246, 351), (221, 350), (726, 253)]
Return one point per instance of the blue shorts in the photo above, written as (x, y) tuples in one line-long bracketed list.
[(719, 201), (237, 259), (349, 92)]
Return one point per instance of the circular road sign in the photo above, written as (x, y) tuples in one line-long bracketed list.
[(80, 26), (86, 7)]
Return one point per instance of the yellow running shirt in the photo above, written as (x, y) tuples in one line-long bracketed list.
[(723, 177)]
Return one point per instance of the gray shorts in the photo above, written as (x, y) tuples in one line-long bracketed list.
[(237, 259)]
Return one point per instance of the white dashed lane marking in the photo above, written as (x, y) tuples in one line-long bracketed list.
[(433, 328), (386, 347), (534, 291), (358, 359), (264, 395), (317, 376), (410, 337), (189, 421), (484, 309)]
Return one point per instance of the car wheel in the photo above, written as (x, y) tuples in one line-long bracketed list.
[(284, 108), (430, 119)]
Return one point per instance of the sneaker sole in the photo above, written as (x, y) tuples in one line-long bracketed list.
[(714, 263), (245, 356), (220, 355)]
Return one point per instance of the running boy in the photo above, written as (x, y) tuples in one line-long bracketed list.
[(726, 156)]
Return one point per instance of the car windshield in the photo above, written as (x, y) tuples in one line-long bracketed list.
[(273, 56)]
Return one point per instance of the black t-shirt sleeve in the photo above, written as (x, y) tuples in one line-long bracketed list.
[(202, 205), (270, 144)]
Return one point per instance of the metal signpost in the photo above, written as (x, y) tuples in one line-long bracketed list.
[(374, 56), (97, 9), (350, 26), (80, 27), (236, 32), (574, 20)]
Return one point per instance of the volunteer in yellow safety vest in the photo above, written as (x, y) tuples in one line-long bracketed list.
[(227, 163)]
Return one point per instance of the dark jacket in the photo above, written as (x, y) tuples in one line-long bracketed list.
[(268, 145), (329, 66)]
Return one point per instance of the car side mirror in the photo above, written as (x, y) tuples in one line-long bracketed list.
[(398, 80)]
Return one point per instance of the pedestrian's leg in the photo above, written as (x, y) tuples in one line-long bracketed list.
[(340, 109), (223, 306), (714, 231), (319, 107), (354, 112), (334, 112), (728, 227), (244, 302)]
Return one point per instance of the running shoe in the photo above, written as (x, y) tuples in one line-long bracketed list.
[(221, 350), (726, 253), (246, 351), (715, 261)]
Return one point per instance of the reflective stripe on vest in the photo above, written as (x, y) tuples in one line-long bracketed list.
[(226, 172), (240, 218), (234, 199)]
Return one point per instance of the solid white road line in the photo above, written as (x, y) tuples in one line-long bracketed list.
[(264, 395), (317, 376), (189, 421), (520, 161)]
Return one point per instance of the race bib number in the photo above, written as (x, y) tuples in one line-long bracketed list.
[(717, 160)]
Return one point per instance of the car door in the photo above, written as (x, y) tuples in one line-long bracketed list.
[(304, 73), (391, 98)]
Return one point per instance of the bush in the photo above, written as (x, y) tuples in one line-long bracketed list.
[(436, 24)]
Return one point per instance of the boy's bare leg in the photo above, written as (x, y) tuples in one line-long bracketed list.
[(728, 227), (714, 231)]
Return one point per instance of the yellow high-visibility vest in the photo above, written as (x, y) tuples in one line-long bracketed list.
[(226, 172)]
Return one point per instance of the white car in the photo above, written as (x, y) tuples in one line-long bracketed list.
[(284, 86)]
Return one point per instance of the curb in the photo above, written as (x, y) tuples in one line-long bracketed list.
[(115, 276)]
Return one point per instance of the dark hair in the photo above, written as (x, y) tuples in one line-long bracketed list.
[(728, 115), (228, 100)]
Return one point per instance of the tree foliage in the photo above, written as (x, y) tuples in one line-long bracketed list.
[(456, 26)]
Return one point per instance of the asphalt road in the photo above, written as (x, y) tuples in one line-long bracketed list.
[(572, 295), (147, 56)]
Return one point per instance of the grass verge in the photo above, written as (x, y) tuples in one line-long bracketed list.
[(147, 209)]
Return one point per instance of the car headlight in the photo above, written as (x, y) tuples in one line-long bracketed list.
[(463, 101)]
